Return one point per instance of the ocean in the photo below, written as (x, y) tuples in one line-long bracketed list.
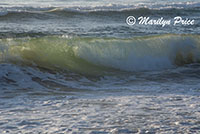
[(92, 67)]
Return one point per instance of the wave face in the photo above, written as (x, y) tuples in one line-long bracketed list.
[(98, 55)]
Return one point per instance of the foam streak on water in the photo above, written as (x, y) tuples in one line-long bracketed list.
[(127, 114)]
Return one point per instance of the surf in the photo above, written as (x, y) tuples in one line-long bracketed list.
[(102, 55)]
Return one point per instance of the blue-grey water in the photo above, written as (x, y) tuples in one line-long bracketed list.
[(76, 66)]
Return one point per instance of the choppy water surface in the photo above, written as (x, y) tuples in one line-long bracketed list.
[(77, 67)]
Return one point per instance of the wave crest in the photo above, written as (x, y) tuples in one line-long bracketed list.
[(98, 55)]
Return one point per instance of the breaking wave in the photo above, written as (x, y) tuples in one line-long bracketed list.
[(100, 55)]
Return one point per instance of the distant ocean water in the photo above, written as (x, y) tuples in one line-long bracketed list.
[(77, 67)]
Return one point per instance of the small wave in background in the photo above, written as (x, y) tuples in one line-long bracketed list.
[(107, 20)]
